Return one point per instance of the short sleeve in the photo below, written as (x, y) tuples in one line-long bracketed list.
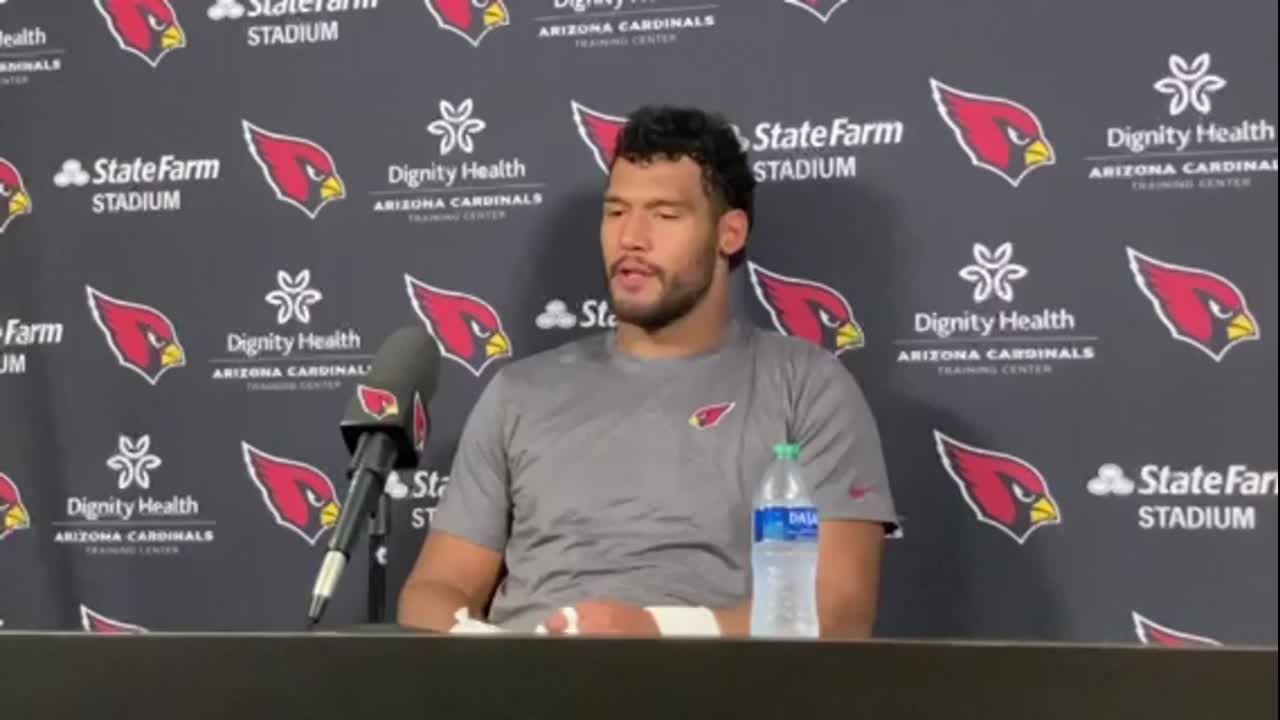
[(477, 503), (840, 444)]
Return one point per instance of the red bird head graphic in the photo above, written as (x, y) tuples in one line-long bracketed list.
[(146, 28), (1199, 307), (1152, 633), (421, 423), (467, 328), (142, 338), (379, 404), (998, 134), (13, 514), (300, 172), (806, 309), (14, 198), (821, 9), (472, 19), (1004, 491), (300, 497), (710, 416), (99, 624), (599, 131)]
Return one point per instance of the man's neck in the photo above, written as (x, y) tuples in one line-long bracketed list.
[(702, 330)]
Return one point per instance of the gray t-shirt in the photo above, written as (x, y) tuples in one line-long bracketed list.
[(602, 476)]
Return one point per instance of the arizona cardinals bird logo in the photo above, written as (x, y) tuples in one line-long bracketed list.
[(300, 172), (99, 624), (709, 416), (1152, 633), (1004, 491), (821, 9), (599, 131), (420, 423), (14, 198), (13, 514), (998, 134), (377, 403), (808, 310), (467, 328), (146, 28), (472, 19), (142, 338), (300, 497), (1199, 307)]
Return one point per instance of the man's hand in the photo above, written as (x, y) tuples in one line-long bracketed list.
[(604, 617)]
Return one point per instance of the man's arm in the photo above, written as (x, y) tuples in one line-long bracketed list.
[(450, 573)]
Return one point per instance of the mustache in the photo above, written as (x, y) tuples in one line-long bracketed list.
[(652, 269)]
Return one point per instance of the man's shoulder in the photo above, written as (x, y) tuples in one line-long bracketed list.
[(563, 362)]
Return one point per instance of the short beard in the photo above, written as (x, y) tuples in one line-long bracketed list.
[(678, 299)]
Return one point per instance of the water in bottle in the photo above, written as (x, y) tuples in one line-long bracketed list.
[(784, 551)]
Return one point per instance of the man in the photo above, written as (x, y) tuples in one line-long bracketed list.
[(614, 474)]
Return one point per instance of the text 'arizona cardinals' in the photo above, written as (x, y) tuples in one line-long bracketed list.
[(594, 24), (36, 56)]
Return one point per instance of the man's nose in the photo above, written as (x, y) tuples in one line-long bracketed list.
[(634, 234)]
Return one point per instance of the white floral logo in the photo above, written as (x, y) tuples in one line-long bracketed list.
[(132, 461), (456, 126), (993, 272), (293, 297), (1190, 84)]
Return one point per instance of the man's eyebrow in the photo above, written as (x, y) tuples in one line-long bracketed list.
[(658, 202)]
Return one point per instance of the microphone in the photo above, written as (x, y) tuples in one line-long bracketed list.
[(384, 428)]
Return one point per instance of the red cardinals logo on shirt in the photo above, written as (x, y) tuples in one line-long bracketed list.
[(300, 497), (300, 172), (13, 514), (599, 131), (146, 28), (472, 19), (821, 9), (1152, 633), (710, 416), (1199, 307), (1004, 491), (420, 423), (467, 329), (141, 337), (99, 624), (997, 133), (379, 404), (808, 310), (14, 198)]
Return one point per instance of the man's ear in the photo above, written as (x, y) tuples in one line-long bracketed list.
[(731, 232)]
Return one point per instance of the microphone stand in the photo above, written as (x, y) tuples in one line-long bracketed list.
[(379, 532)]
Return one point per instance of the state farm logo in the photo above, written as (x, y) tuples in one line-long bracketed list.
[(154, 185), (423, 493), (781, 150), (998, 134), (821, 9), (590, 313), (998, 336), (148, 29), (1150, 632), (18, 336), (593, 24), (1187, 151), (14, 515), (132, 521), (299, 172), (26, 53), (460, 183), (807, 310), (15, 198), (300, 497), (1199, 307), (471, 20), (292, 356), (1169, 497), (1004, 491), (272, 23)]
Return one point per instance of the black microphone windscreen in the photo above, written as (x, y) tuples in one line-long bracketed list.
[(392, 397)]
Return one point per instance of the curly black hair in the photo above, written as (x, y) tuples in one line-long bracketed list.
[(706, 138)]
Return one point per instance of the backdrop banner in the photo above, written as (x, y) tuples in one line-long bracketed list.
[(1052, 228)]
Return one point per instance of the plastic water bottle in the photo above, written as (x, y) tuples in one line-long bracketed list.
[(784, 551)]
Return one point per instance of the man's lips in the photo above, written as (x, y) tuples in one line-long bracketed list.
[(632, 274)]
